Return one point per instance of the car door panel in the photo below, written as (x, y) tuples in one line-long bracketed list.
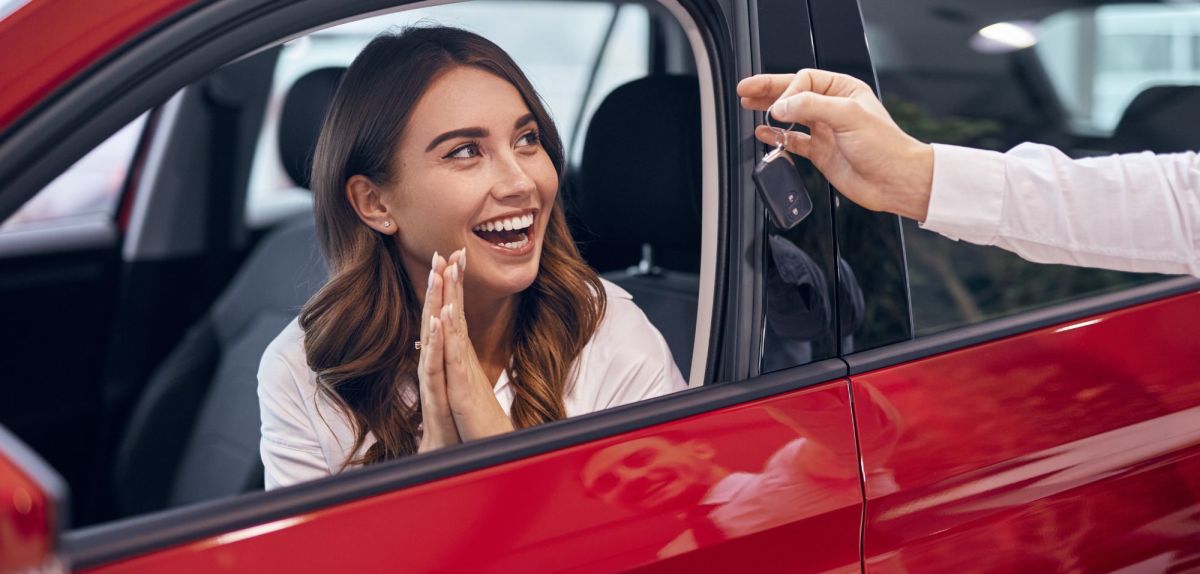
[(541, 513), (1072, 447)]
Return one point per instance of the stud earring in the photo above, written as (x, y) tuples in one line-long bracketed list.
[(387, 224)]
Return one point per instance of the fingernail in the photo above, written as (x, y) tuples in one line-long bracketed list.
[(780, 108), (462, 260), (433, 262), (450, 311), (429, 284), (454, 273)]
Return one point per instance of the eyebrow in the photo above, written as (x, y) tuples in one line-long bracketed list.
[(459, 133), (473, 132)]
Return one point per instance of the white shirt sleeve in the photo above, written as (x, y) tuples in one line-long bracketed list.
[(290, 448), (1134, 212)]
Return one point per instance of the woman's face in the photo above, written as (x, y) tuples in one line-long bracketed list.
[(471, 172)]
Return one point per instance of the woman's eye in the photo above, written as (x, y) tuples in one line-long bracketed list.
[(529, 138), (466, 151)]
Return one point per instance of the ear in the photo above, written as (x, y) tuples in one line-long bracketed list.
[(368, 202)]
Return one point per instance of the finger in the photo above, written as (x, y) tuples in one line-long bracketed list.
[(458, 290), (797, 142), (432, 362), (433, 296), (451, 275), (757, 104), (453, 346), (824, 83), (764, 86), (811, 108)]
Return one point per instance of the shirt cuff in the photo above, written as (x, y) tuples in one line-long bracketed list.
[(967, 198)]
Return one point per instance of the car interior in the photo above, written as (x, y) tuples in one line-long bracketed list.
[(203, 279)]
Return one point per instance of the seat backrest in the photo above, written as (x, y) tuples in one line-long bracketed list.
[(640, 186), (1162, 119), (194, 433)]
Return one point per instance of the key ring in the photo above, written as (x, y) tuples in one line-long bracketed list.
[(781, 134)]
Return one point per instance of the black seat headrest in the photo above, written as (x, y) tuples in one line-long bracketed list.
[(304, 110), (1158, 120), (640, 176)]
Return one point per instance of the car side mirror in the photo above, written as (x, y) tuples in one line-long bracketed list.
[(33, 509)]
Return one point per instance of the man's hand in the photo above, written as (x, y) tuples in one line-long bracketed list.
[(853, 140)]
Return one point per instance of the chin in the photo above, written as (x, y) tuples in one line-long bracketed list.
[(510, 281)]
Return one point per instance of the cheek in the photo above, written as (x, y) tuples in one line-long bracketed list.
[(546, 180)]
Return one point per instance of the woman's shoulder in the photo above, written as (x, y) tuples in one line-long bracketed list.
[(285, 356), (624, 329)]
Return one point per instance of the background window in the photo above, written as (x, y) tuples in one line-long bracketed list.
[(1069, 89), (1099, 59), (89, 190)]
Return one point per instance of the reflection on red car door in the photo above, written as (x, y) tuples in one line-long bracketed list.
[(769, 485), (1071, 448)]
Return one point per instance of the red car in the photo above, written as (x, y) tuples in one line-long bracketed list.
[(863, 395)]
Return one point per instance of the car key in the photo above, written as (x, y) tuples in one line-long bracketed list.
[(780, 187)]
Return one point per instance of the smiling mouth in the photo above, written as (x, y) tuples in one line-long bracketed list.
[(507, 232)]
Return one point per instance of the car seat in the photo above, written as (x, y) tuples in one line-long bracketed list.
[(194, 433), (1162, 119), (638, 208)]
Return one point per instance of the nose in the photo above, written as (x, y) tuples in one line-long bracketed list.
[(512, 179)]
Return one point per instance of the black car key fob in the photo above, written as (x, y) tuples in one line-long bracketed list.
[(781, 189)]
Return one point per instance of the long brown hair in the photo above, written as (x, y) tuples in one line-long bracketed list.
[(359, 328)]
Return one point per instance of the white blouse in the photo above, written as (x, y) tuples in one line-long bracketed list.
[(305, 436)]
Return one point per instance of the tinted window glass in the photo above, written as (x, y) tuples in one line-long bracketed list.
[(944, 83)]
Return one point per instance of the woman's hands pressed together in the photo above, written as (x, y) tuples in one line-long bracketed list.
[(457, 400)]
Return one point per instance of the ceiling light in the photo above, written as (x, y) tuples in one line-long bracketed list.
[(1004, 37)]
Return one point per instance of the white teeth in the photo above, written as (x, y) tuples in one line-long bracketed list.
[(515, 244), (508, 224)]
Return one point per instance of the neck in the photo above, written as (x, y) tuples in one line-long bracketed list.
[(490, 322), (491, 325)]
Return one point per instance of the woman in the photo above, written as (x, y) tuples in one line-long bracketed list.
[(436, 143)]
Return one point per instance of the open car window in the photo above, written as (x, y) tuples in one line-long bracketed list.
[(196, 298)]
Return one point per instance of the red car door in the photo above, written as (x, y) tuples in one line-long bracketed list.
[(1012, 417), (749, 472), (1060, 448)]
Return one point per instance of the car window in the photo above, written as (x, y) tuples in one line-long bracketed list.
[(575, 55), (980, 76), (588, 60), (87, 191)]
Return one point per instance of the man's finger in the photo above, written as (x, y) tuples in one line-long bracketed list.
[(797, 142), (809, 108), (764, 86)]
